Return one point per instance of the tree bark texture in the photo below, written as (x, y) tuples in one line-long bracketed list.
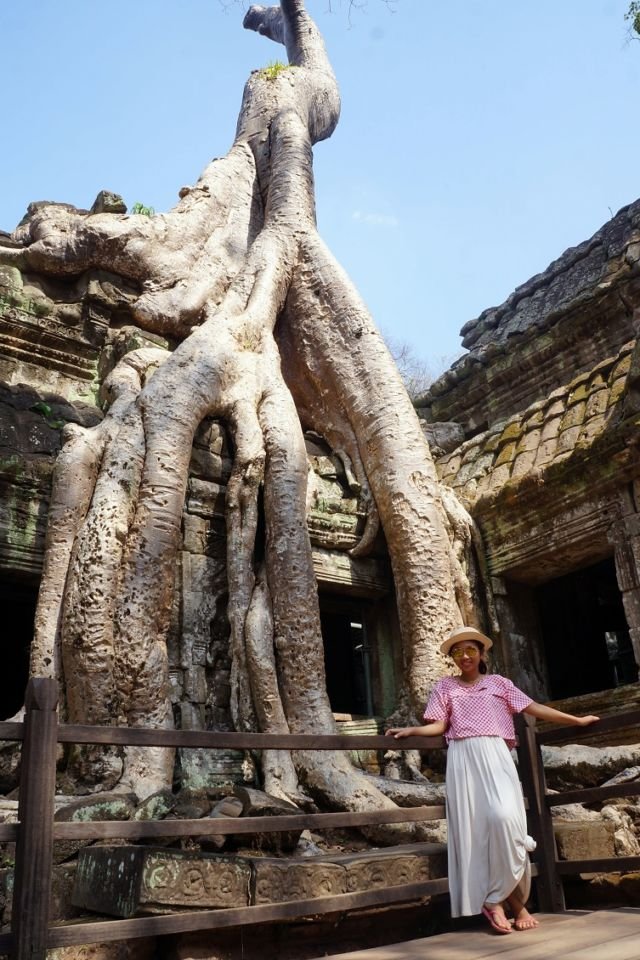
[(272, 338)]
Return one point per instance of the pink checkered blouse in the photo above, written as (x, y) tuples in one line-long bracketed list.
[(484, 709)]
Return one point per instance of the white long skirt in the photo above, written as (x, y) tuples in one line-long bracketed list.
[(487, 826)]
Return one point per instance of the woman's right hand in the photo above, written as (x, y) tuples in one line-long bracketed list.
[(434, 729), (399, 733)]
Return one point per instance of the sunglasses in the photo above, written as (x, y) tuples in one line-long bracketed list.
[(465, 652)]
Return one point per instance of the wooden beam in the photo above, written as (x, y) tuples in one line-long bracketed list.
[(592, 794), (112, 930), (151, 737), (135, 829), (575, 734), (549, 886), (34, 849), (11, 731), (602, 865)]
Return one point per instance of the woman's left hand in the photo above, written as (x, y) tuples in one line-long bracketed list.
[(585, 721)]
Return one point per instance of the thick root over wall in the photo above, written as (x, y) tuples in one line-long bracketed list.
[(272, 339)]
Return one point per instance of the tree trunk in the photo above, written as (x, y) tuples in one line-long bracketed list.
[(272, 337)]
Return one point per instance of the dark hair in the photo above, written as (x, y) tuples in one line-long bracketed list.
[(482, 667)]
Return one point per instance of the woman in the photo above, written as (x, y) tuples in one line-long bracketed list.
[(488, 847)]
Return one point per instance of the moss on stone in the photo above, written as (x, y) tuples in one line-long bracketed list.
[(617, 391), (512, 431), (506, 455)]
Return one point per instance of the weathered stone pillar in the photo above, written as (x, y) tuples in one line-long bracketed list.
[(522, 654), (624, 534)]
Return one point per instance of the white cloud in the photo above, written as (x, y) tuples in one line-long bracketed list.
[(375, 219)]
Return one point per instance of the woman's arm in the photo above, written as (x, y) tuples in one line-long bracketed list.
[(434, 729), (542, 712)]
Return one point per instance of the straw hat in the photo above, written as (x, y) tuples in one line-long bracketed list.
[(464, 633)]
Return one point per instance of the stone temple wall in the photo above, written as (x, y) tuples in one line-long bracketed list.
[(536, 429)]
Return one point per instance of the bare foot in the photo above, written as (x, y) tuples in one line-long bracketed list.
[(522, 919)]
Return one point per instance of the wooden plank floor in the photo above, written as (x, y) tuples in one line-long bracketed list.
[(600, 935)]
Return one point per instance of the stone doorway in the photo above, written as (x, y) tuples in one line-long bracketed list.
[(585, 633), (348, 657), (18, 604)]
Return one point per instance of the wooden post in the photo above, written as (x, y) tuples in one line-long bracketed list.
[(549, 885), (34, 848)]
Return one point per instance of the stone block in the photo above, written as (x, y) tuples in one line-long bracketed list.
[(567, 440), (584, 841), (557, 407), (506, 454), (622, 367), (107, 202), (596, 404), (484, 486), (616, 391), (195, 684), (105, 806), (579, 393), (211, 435), (452, 464), (464, 474), (142, 948), (471, 452), (492, 442), (534, 420), (551, 429), (195, 532), (597, 381), (209, 466), (442, 437), (157, 806), (123, 881), (546, 451), (574, 416), (499, 476), (511, 431), (529, 441), (201, 769), (369, 873), (523, 463), (483, 464), (468, 492), (592, 429), (205, 498), (275, 881), (448, 467)]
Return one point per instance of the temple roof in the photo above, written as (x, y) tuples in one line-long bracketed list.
[(572, 276), (524, 448), (593, 283)]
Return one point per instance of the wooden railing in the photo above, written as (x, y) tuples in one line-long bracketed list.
[(550, 869), (31, 934)]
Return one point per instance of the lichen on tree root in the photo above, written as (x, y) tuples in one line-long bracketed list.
[(272, 338)]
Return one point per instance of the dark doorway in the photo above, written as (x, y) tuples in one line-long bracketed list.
[(585, 633), (18, 600), (347, 658)]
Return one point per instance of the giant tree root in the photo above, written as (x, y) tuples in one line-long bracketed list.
[(273, 339)]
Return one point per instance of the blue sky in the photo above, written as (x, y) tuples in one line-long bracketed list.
[(478, 140)]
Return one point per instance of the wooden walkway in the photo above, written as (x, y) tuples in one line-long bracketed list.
[(601, 935)]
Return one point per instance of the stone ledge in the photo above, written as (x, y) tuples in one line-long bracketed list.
[(126, 880)]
